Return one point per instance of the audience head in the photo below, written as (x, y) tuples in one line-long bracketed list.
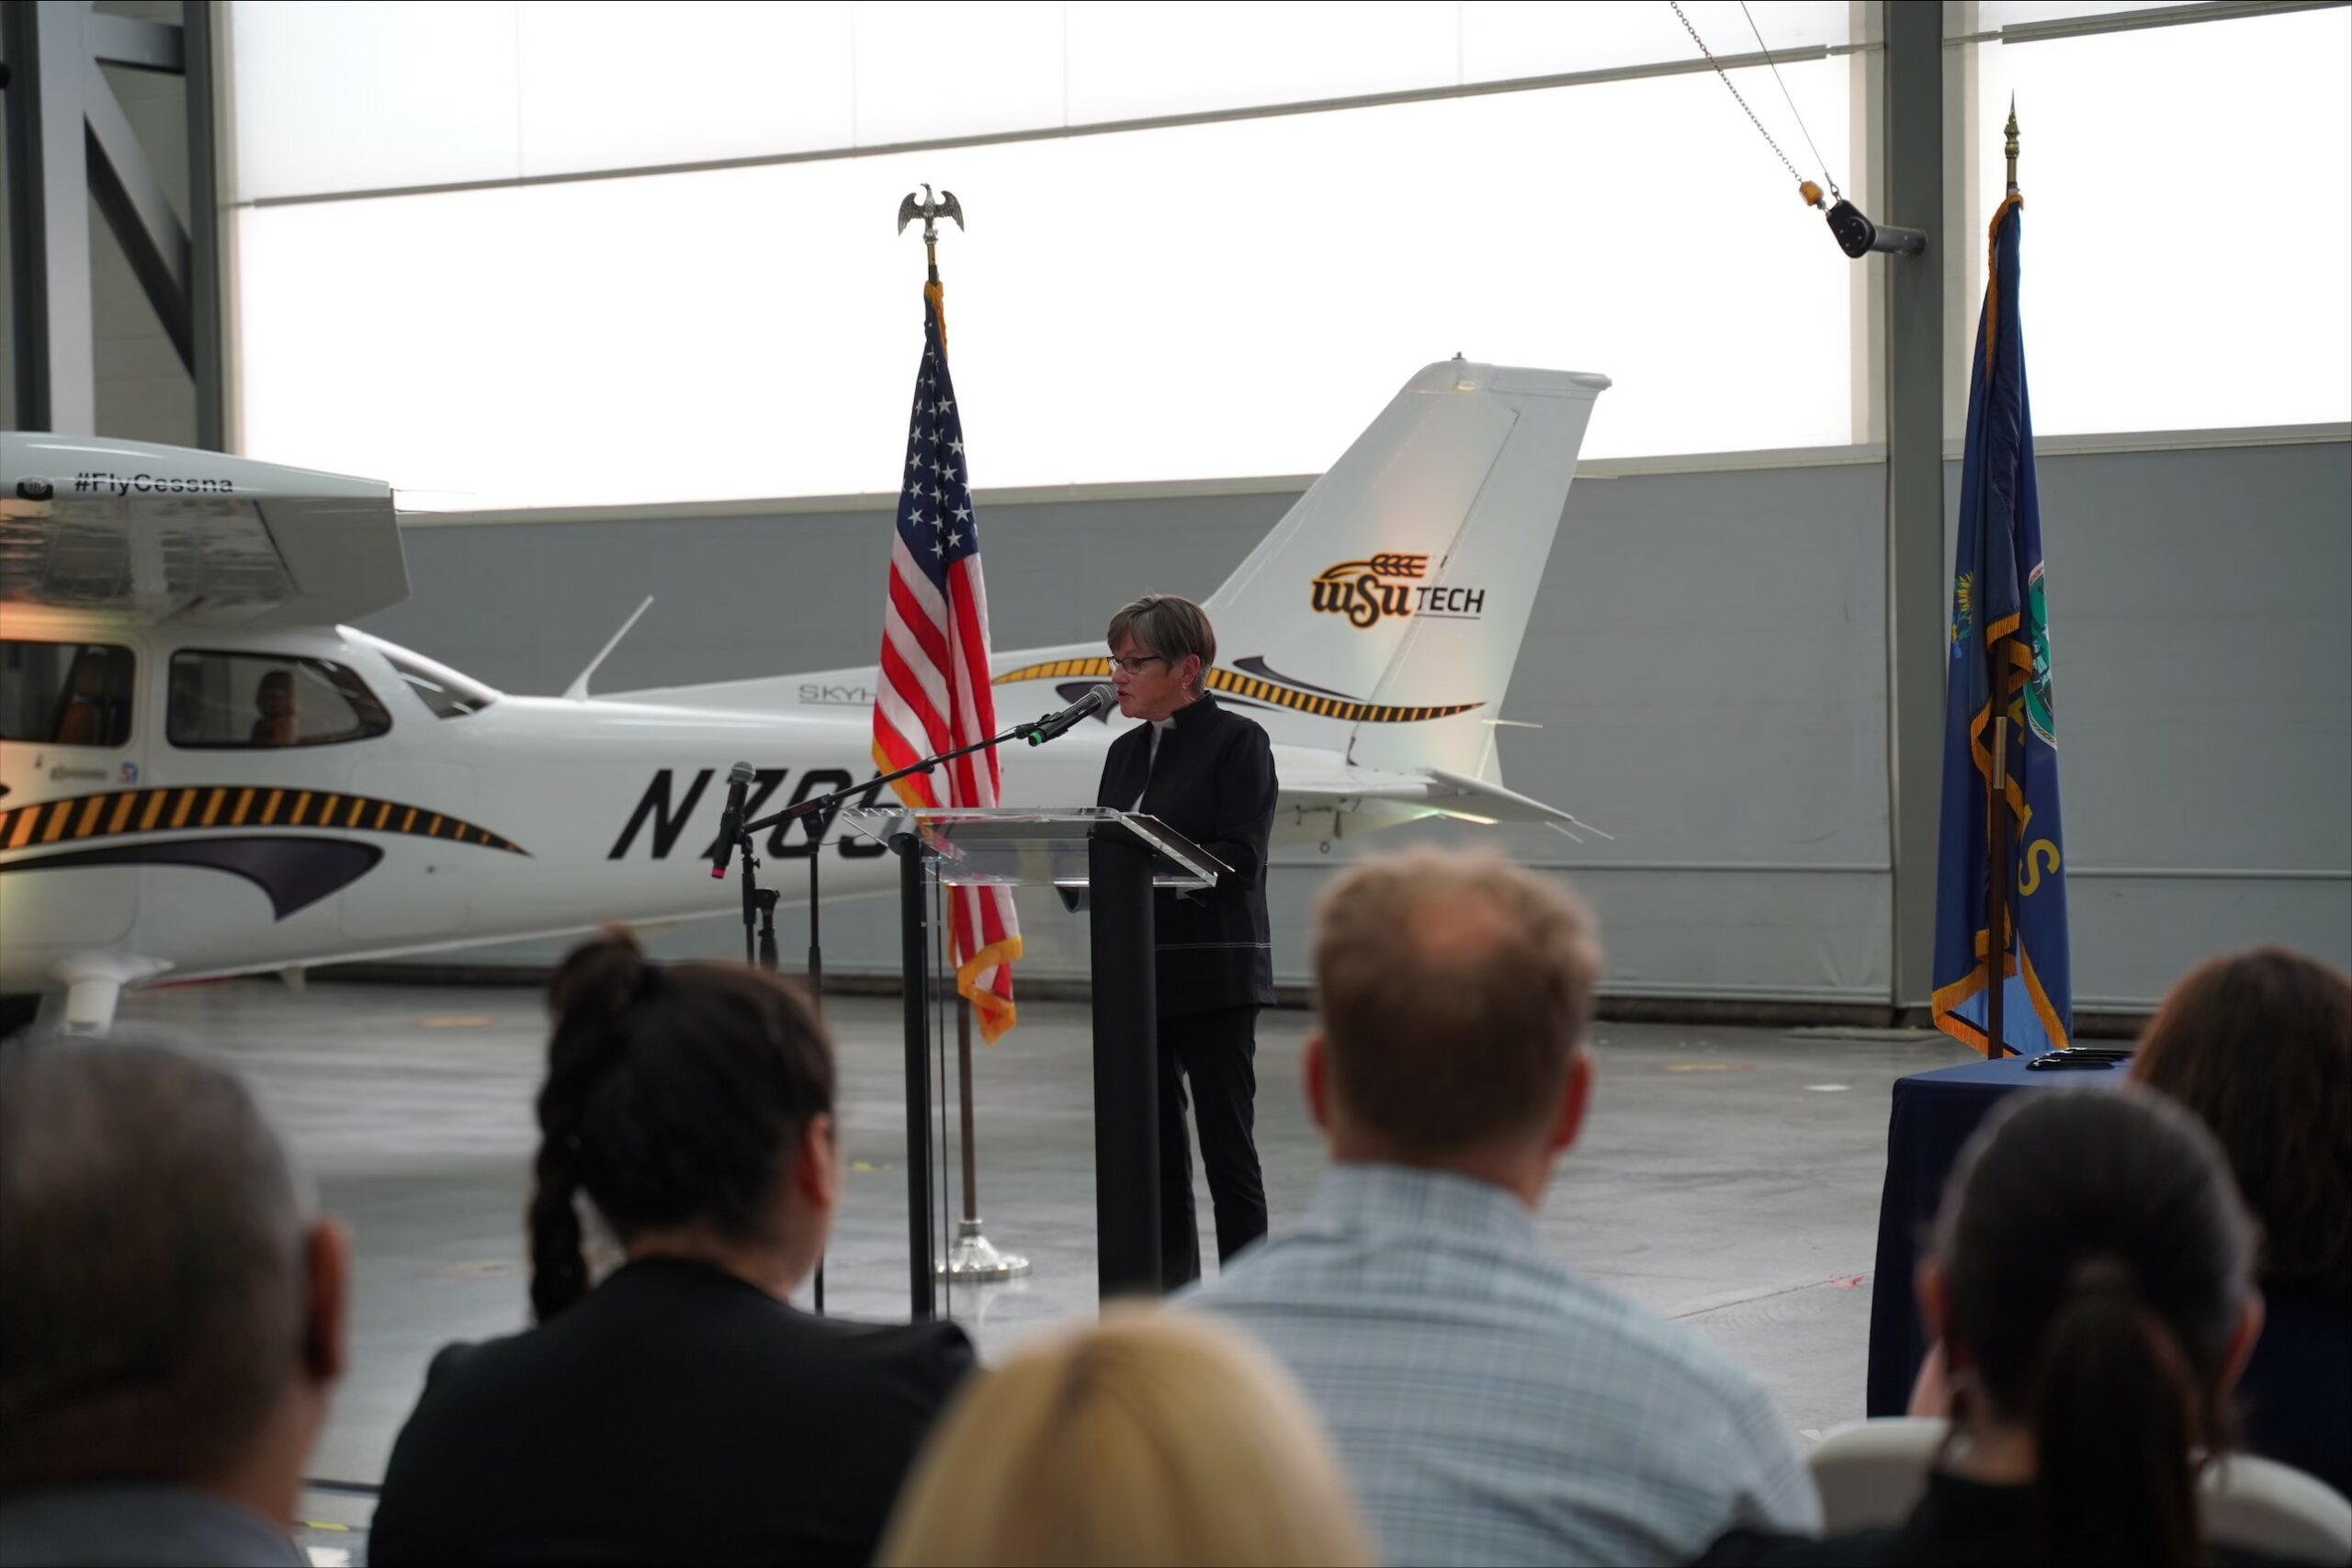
[(1146, 1437), (692, 1105), (1455, 991), (2090, 1290), (168, 1312), (2259, 1046)]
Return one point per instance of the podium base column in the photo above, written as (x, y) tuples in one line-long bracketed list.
[(1126, 1069)]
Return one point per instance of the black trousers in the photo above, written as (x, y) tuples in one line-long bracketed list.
[(1217, 1052)]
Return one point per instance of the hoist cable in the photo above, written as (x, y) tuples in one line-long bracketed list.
[(1802, 131), (1741, 100)]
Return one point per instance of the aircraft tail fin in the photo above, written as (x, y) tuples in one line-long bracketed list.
[(1382, 615)]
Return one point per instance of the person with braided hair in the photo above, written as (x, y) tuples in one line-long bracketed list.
[(681, 1409)]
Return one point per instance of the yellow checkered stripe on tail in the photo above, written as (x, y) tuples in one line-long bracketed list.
[(190, 807), (1256, 689)]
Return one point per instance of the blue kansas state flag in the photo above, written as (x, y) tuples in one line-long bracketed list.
[(2000, 652)]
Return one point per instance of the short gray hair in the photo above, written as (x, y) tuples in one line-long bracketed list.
[(151, 1250), (1169, 627)]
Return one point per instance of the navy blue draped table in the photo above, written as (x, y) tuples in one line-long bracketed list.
[(1933, 1116)]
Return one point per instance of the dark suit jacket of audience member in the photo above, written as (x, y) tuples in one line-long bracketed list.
[(675, 1415), (2296, 1392), (1213, 782)]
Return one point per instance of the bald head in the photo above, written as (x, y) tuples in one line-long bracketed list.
[(1455, 990), (154, 1310)]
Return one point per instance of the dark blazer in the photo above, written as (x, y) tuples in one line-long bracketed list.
[(675, 1415), (2296, 1394), (1214, 782)]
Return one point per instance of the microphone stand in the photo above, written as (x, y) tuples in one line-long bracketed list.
[(759, 903)]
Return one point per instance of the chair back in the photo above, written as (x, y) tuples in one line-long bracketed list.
[(2261, 1506), (1872, 1473)]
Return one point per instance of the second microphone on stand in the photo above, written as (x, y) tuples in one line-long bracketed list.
[(731, 826)]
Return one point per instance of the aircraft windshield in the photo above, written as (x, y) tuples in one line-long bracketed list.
[(449, 694)]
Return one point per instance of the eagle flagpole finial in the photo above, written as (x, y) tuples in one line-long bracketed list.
[(931, 212)]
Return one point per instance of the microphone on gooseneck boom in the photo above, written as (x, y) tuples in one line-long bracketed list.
[(1053, 725)]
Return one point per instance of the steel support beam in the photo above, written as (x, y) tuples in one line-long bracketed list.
[(124, 185), (1914, 486), (71, 144), (126, 40), (210, 354), (49, 231)]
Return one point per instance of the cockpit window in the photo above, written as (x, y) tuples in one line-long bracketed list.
[(65, 693), (449, 694), (239, 701)]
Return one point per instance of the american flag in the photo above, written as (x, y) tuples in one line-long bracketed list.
[(933, 694)]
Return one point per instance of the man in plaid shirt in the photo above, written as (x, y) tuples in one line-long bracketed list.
[(1492, 1406)]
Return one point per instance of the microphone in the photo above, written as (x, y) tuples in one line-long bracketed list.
[(731, 826), (1096, 701)]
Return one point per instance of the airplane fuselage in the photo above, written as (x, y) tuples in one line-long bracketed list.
[(525, 816)]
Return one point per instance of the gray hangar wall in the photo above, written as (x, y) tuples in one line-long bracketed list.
[(1707, 663)]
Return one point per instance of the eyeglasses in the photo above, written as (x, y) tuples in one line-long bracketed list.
[(1139, 663)]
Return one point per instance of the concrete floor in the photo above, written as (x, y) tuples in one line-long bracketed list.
[(1727, 1177)]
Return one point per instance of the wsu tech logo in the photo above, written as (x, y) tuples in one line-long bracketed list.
[(1389, 585)]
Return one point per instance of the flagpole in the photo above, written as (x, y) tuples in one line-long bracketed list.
[(974, 1259), (1996, 883), (2001, 893), (1996, 788)]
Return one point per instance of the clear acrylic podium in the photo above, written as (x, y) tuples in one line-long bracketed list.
[(1118, 858)]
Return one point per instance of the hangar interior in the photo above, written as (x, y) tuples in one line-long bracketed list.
[(1710, 675), (655, 343)]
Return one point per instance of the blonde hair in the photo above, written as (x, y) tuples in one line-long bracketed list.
[(1147, 1438), (1454, 989)]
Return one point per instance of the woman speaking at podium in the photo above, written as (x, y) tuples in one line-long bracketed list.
[(1208, 773)]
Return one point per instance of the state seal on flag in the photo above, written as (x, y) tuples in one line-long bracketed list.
[(2040, 711)]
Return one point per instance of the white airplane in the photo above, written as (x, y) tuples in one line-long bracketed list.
[(203, 773)]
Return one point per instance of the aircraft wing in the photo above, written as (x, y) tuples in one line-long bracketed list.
[(1440, 791), (151, 533)]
